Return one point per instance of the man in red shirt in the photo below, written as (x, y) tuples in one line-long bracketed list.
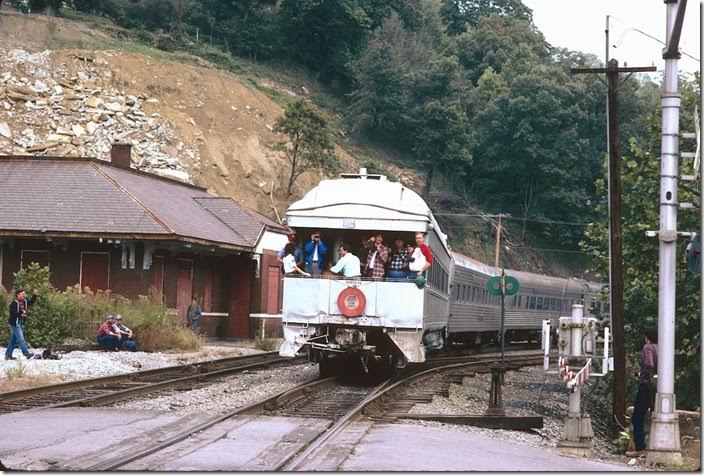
[(107, 337), (421, 257)]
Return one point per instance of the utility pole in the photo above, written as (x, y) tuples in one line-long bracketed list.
[(664, 445), (615, 235), (498, 241)]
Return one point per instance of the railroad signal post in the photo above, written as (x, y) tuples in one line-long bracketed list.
[(501, 285), (664, 445), (577, 351)]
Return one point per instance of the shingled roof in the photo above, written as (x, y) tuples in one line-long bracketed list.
[(86, 197)]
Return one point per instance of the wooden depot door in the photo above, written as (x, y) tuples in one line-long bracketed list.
[(184, 288), (95, 270), (272, 290)]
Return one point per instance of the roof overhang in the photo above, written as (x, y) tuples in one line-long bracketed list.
[(123, 237)]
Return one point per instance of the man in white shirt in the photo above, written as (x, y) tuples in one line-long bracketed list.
[(348, 263)]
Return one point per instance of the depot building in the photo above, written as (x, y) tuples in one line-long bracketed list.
[(102, 225)]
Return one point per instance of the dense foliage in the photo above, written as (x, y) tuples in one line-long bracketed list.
[(71, 314), (641, 192)]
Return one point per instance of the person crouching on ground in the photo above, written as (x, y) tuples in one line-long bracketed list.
[(108, 338), (18, 315), (290, 267), (126, 339), (646, 391)]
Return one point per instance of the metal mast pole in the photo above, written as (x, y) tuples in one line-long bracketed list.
[(664, 441)]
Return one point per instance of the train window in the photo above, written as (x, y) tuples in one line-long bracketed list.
[(514, 301), (539, 304), (552, 304), (474, 294), (520, 301), (486, 296), (464, 293), (531, 305)]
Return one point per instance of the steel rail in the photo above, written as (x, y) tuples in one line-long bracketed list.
[(253, 408), (111, 395), (80, 383), (385, 387)]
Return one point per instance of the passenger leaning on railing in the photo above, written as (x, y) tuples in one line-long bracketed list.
[(348, 263), (290, 267), (421, 257)]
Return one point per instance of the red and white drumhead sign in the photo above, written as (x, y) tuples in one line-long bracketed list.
[(351, 302)]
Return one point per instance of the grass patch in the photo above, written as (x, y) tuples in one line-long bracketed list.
[(28, 381), (265, 344)]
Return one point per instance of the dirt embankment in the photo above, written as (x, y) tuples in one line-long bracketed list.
[(223, 124)]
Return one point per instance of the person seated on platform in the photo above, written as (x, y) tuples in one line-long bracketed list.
[(108, 338), (290, 267), (348, 264), (126, 338)]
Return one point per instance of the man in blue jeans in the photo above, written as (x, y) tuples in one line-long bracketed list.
[(18, 314), (646, 390)]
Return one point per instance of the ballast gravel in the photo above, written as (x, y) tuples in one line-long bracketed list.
[(76, 365), (235, 391), (526, 392)]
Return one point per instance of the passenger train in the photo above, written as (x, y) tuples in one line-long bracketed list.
[(393, 322)]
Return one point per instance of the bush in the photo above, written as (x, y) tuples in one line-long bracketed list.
[(266, 344), (74, 314)]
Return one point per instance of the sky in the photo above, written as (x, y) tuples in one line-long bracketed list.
[(579, 25)]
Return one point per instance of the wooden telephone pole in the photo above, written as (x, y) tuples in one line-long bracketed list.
[(616, 237)]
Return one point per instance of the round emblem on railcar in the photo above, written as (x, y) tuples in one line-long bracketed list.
[(351, 302)]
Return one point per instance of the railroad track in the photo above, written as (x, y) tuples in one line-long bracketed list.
[(108, 389), (335, 402)]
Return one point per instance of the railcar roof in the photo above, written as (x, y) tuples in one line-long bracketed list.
[(362, 198), (527, 278)]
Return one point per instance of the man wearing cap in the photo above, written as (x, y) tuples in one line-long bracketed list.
[(126, 340), (108, 338)]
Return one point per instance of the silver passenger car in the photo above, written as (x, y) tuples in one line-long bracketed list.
[(398, 320)]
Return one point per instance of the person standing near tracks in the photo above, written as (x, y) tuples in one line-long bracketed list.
[(18, 315), (646, 391)]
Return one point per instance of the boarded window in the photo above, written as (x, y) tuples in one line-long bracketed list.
[(95, 270), (29, 256)]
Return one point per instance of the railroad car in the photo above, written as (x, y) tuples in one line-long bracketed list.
[(393, 322)]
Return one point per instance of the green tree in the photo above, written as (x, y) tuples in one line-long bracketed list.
[(309, 145), (640, 212), (459, 15), (378, 100)]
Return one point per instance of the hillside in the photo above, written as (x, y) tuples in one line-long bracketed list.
[(68, 89)]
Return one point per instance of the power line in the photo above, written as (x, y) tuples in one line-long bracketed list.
[(516, 218), (630, 28)]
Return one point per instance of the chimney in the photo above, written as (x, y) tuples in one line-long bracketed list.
[(121, 154)]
